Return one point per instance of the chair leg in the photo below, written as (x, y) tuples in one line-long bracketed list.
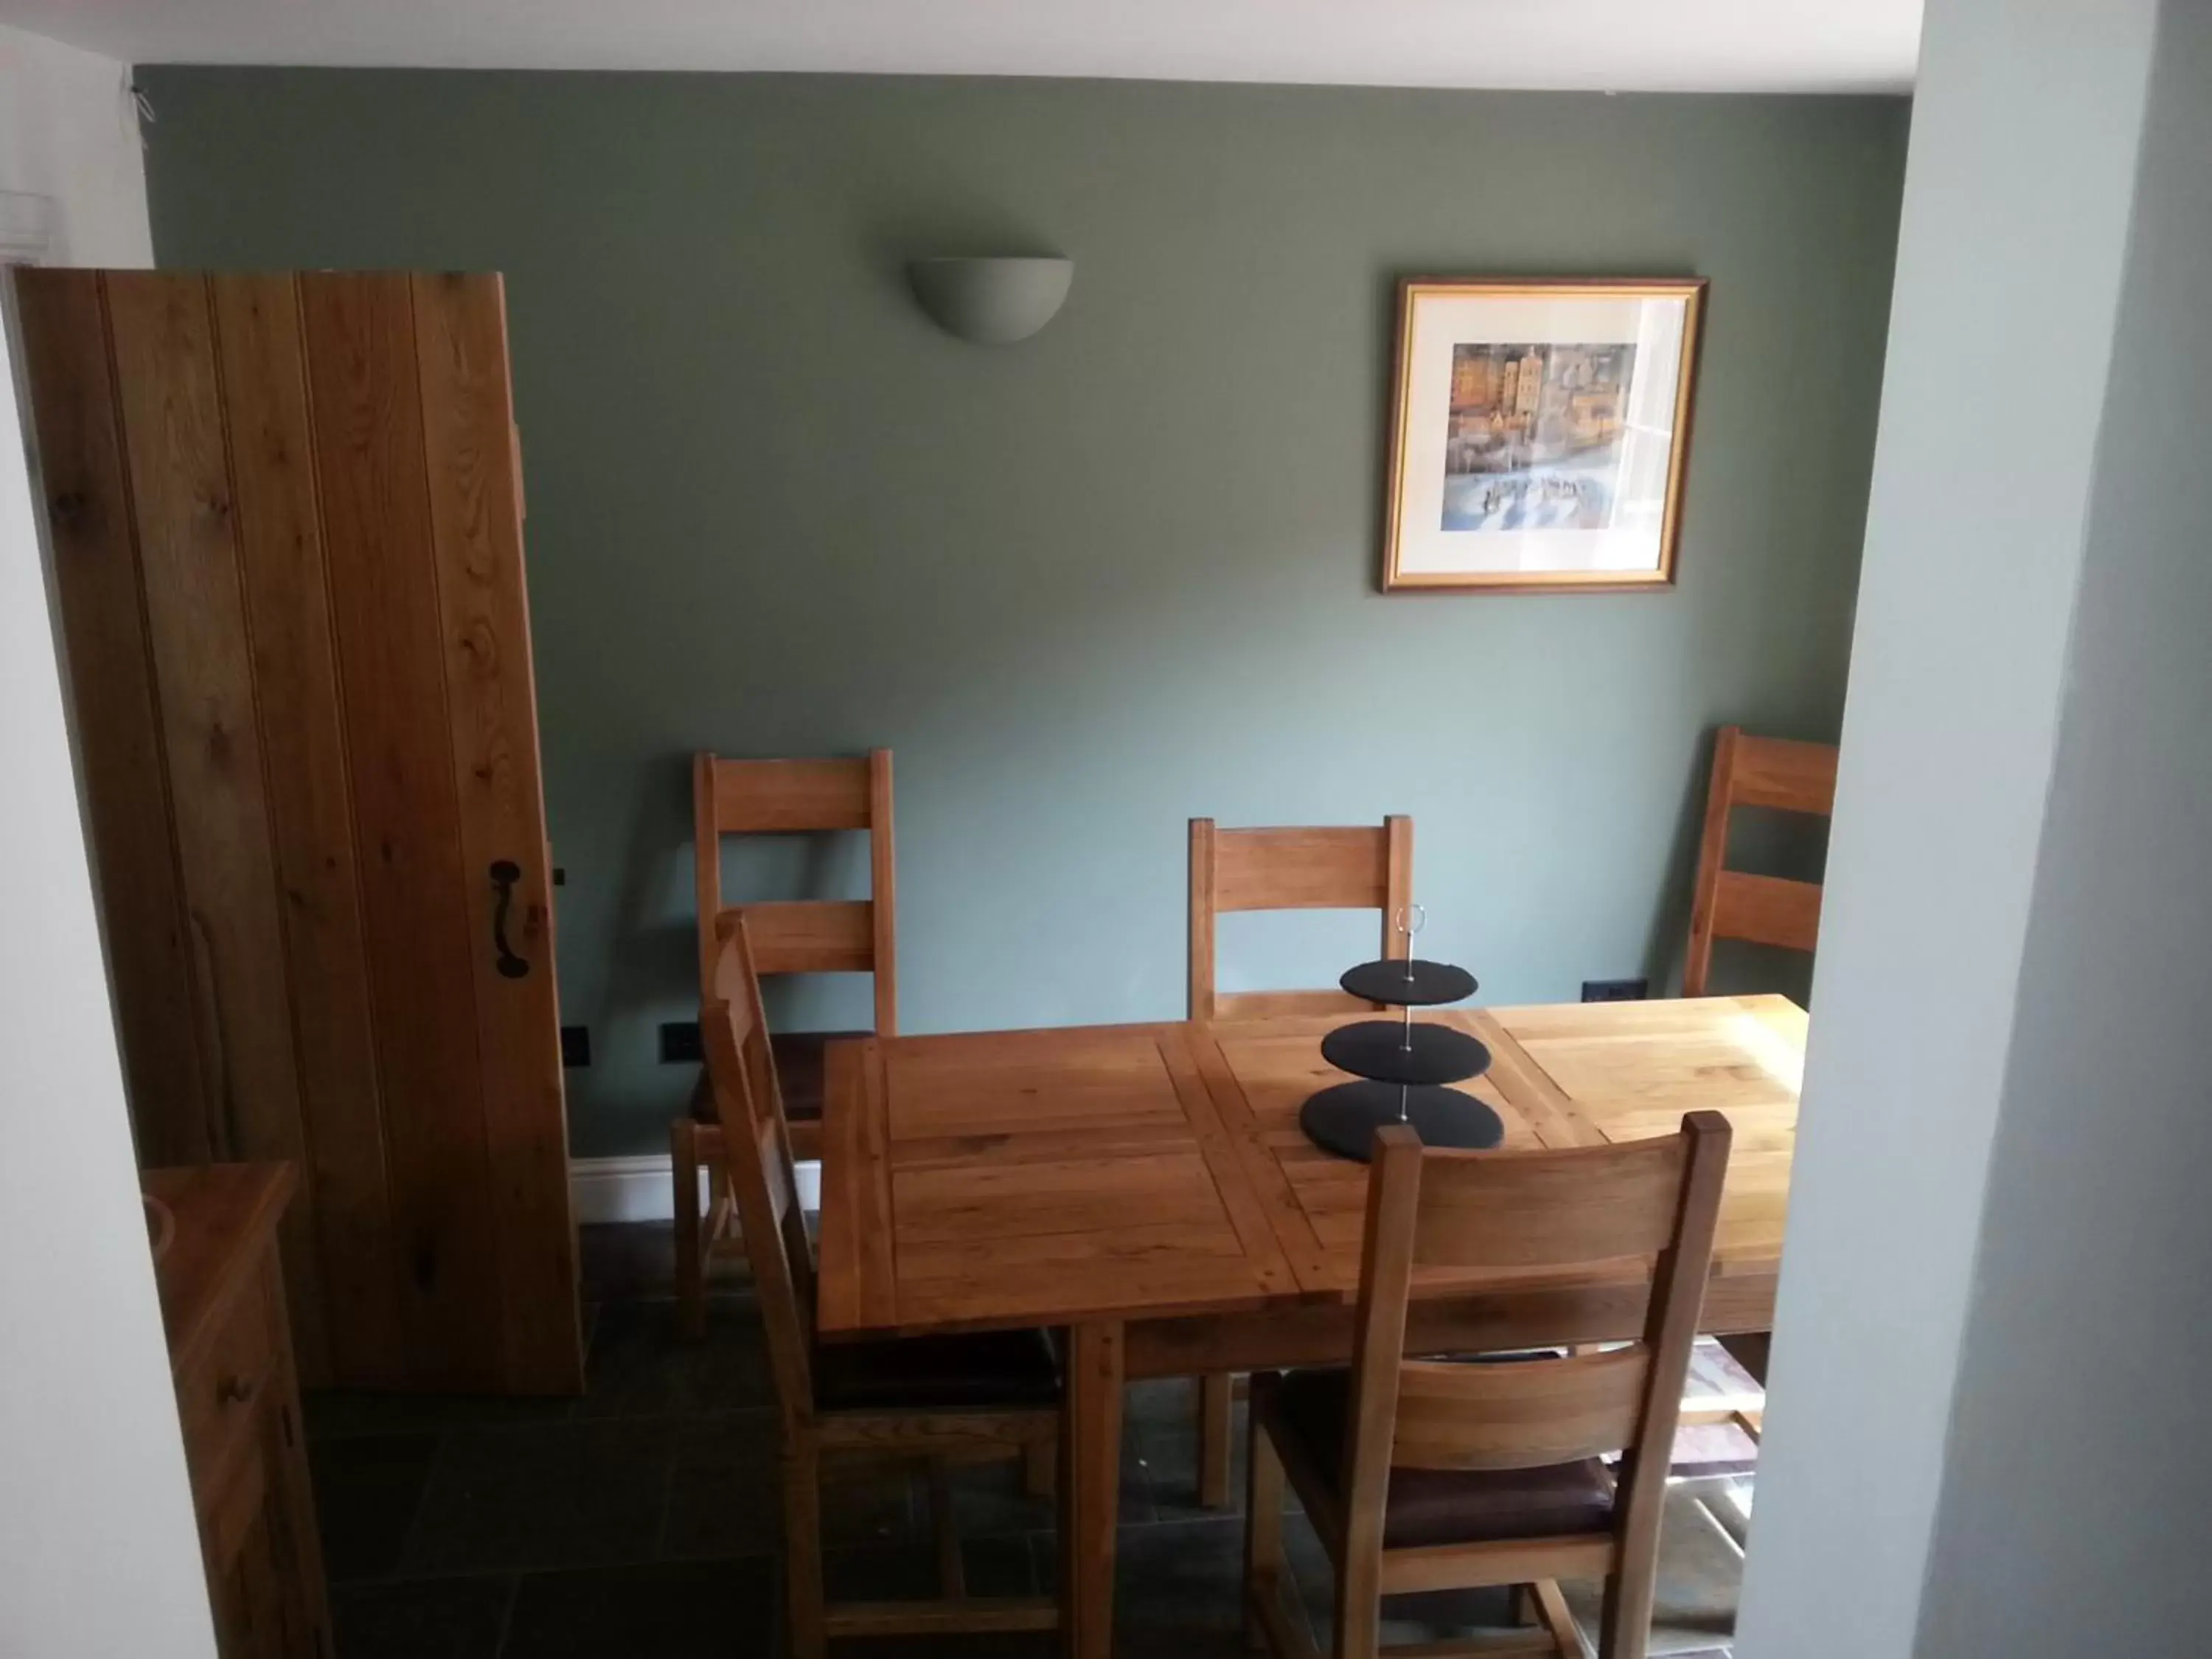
[(1359, 1624), (1624, 1629), (952, 1576), (1215, 1418), (802, 1555), (1552, 1607), (1263, 1534), (691, 1280), (1040, 1467)]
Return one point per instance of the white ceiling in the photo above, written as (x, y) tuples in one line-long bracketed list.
[(1612, 45)]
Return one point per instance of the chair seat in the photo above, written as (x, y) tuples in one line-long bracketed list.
[(800, 1058), (1306, 1412), (992, 1370)]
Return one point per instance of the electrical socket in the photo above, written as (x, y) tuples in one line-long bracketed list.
[(680, 1043), (575, 1046), (1616, 990)]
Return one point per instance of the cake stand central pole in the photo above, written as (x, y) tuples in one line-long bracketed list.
[(1410, 920)]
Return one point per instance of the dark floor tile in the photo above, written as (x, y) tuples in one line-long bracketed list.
[(725, 1495), (641, 1365), (635, 1261), (626, 1261), (1166, 1458), (1311, 1572), (368, 1489), (334, 1413), (1728, 1502), (907, 1571), (436, 1618), (1019, 1644), (999, 1566), (658, 1610), (1700, 1575), (1444, 1615), (1435, 1616), (1178, 1588), (549, 1495), (989, 1500), (1166, 1402)]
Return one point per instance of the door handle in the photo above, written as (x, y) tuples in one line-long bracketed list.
[(504, 875)]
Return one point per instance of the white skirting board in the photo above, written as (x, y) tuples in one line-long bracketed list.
[(638, 1188)]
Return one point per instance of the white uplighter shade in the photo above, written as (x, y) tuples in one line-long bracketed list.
[(1671, 45)]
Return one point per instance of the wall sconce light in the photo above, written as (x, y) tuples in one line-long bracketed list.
[(991, 302)]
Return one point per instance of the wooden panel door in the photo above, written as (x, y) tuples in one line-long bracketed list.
[(287, 530)]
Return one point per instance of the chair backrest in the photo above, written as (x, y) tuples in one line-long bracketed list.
[(1432, 1212), (756, 1151), (1771, 772), (1353, 869), (813, 936)]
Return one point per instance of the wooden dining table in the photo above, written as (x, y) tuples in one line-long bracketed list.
[(1147, 1189)]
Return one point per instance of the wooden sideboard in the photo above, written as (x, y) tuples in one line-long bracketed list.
[(230, 1351)]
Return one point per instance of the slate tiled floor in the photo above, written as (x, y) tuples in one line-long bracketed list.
[(641, 1520)]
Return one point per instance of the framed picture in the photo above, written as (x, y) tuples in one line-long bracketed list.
[(1539, 432)]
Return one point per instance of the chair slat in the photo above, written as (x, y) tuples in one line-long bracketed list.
[(1789, 776), (1748, 771), (1766, 909), (1510, 1561), (1301, 869), (810, 936), (1518, 1414), (1545, 1209), (763, 797)]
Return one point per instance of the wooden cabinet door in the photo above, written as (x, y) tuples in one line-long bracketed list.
[(286, 523)]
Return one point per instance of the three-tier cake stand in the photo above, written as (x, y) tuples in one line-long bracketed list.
[(1403, 1068)]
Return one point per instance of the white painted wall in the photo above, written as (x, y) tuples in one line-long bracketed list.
[(99, 1555), (1987, 1434), (2073, 1515), (68, 132)]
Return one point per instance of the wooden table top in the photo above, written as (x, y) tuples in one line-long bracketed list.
[(1007, 1178)]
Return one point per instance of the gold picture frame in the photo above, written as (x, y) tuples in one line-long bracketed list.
[(1540, 433)]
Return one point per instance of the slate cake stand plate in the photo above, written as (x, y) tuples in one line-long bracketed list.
[(1343, 1120), (1415, 984), (1380, 1049)]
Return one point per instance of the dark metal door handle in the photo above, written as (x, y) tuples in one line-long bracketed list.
[(504, 875)]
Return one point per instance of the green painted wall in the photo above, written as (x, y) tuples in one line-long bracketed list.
[(1089, 585)]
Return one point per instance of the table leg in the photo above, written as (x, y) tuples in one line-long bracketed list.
[(1090, 1493)]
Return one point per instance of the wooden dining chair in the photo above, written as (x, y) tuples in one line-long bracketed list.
[(810, 936), (1422, 1474), (1747, 771), (1357, 868), (928, 1401)]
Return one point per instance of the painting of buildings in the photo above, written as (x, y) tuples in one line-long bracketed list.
[(1533, 435)]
